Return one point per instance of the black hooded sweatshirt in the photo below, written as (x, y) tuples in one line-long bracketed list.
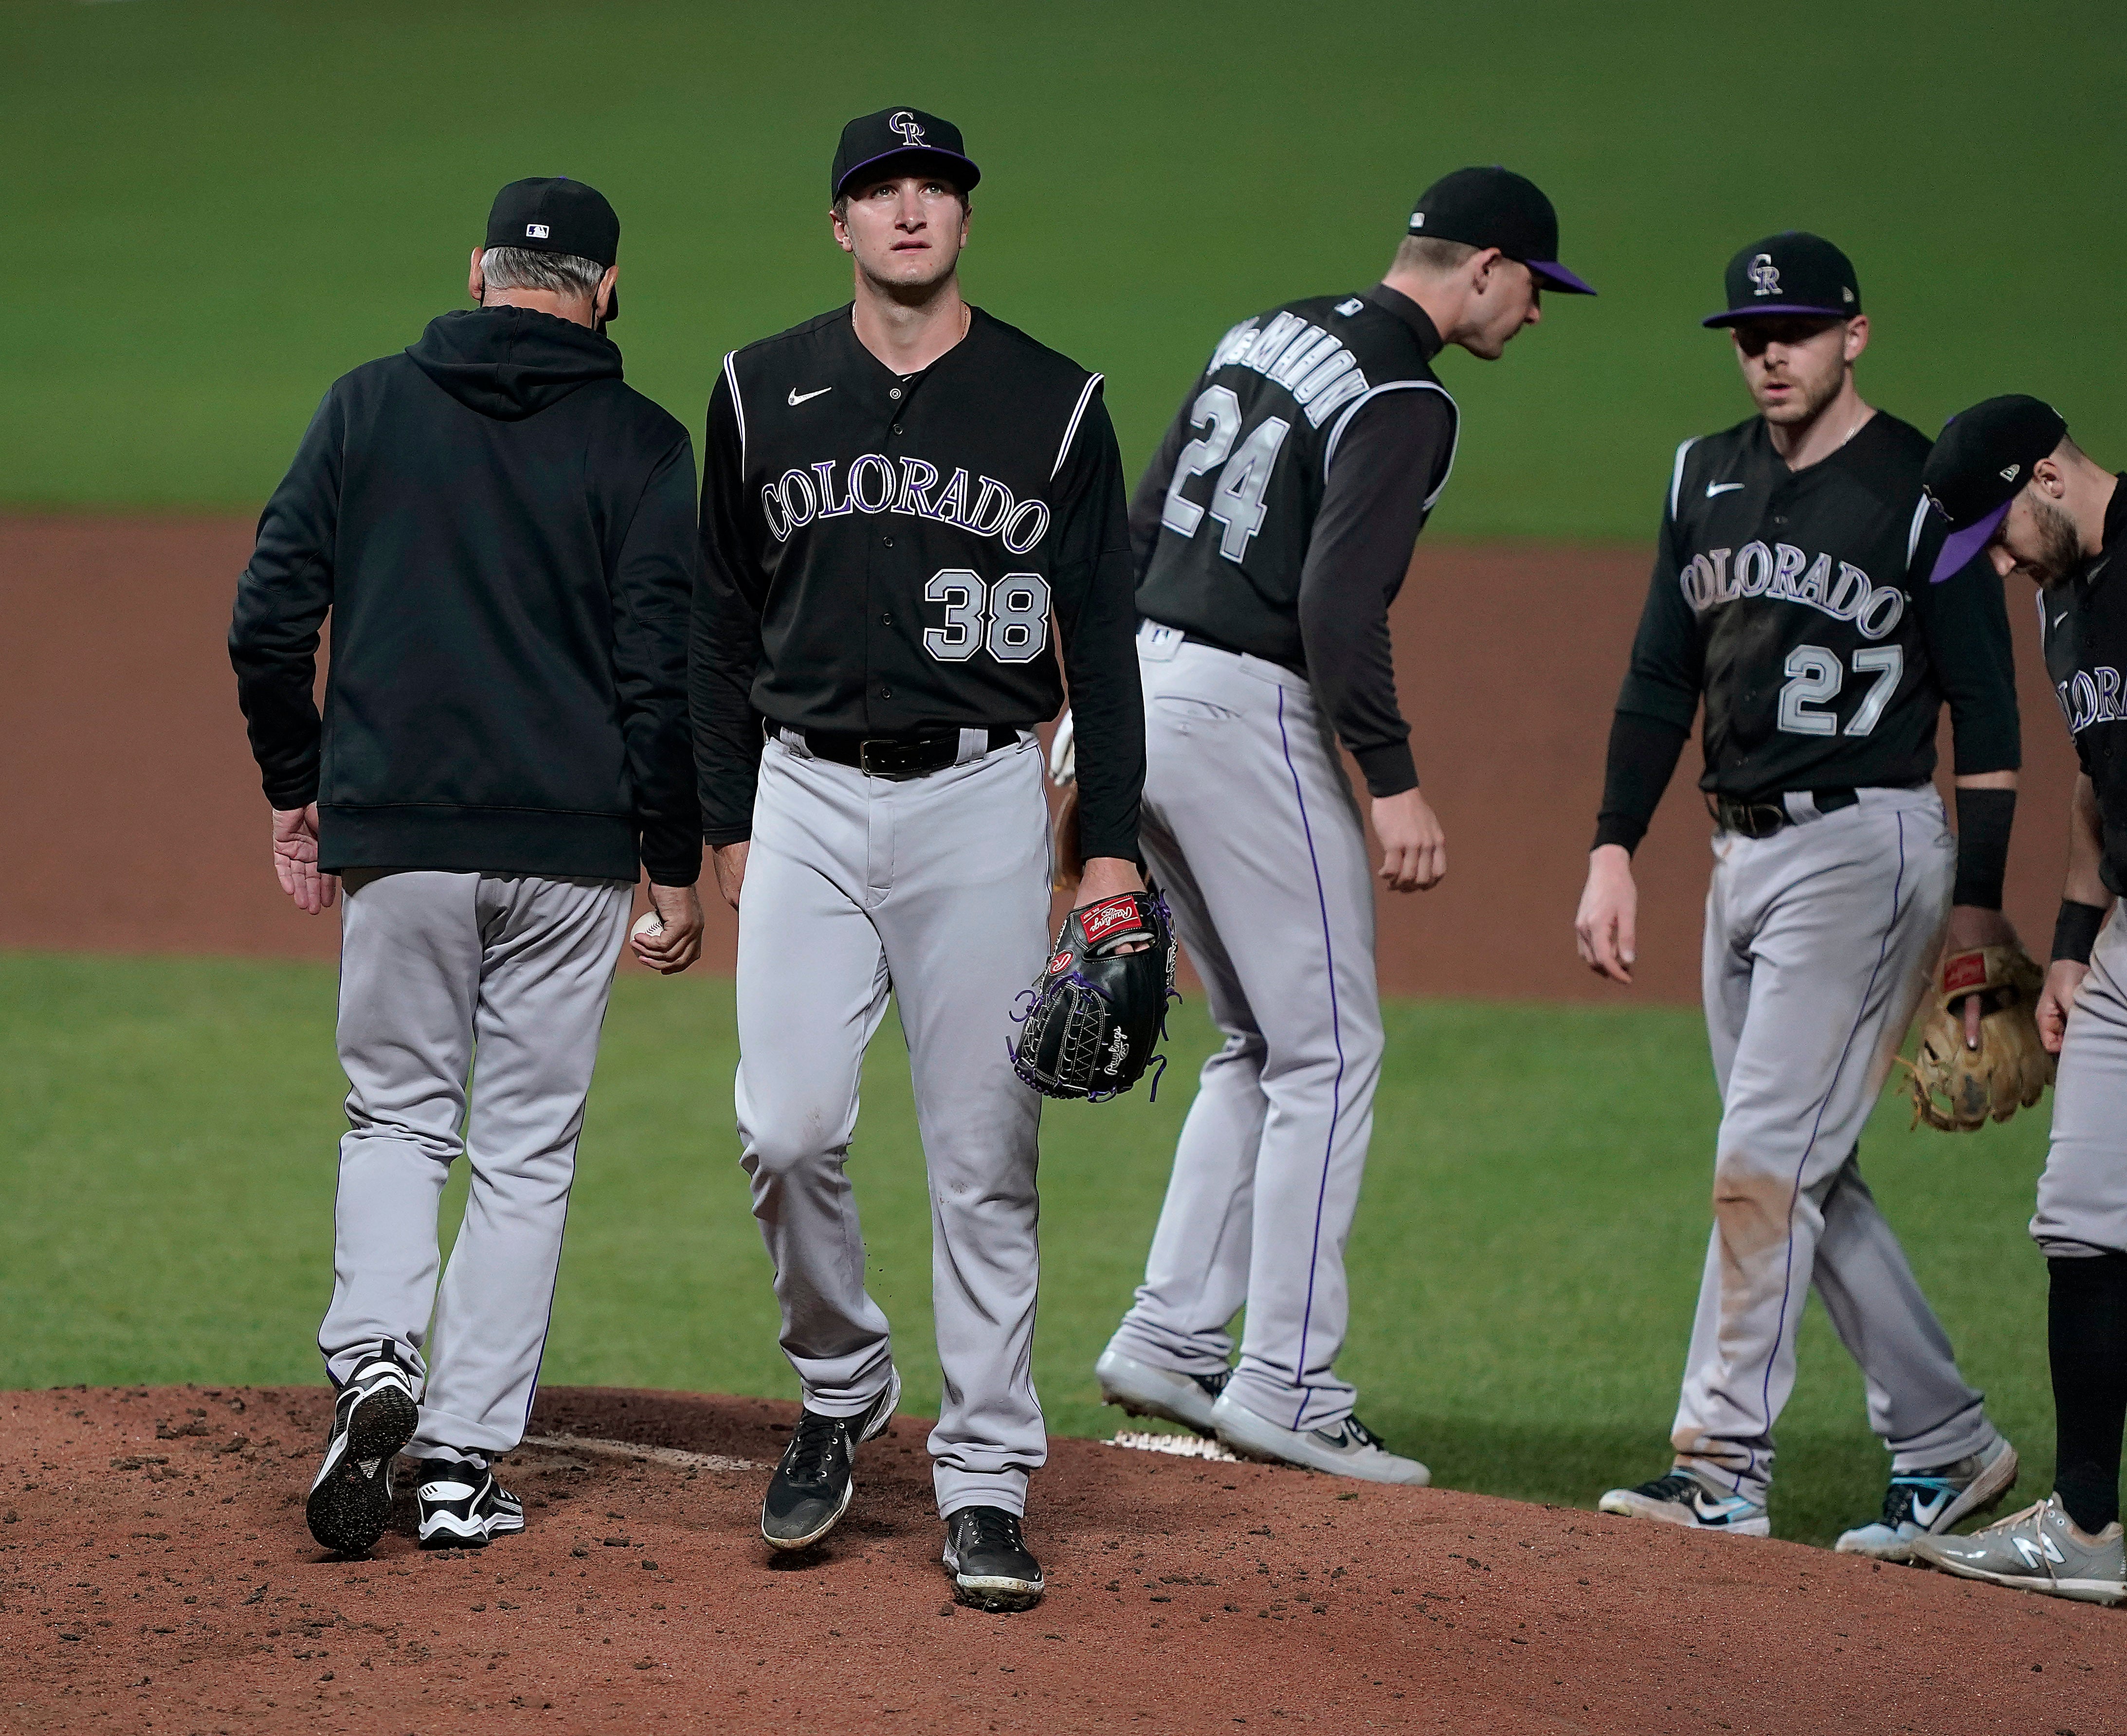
[(503, 533)]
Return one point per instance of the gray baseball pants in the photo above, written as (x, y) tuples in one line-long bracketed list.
[(443, 976), (1250, 827), (1819, 943), (2082, 1191), (934, 889)]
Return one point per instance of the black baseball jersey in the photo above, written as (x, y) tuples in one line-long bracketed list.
[(886, 554), (1796, 603), (1278, 517), (2082, 623)]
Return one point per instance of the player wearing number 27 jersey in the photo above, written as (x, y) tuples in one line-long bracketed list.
[(1790, 596)]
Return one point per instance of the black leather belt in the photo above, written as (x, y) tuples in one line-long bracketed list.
[(1213, 644), (894, 756), (1762, 819)]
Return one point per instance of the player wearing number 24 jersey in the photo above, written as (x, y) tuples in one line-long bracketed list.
[(1273, 530)]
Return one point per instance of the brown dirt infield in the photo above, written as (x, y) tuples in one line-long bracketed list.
[(136, 823), (155, 1575)]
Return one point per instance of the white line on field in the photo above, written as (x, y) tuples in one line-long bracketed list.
[(629, 1449)]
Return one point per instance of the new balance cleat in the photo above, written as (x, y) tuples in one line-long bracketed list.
[(373, 1417), (1681, 1499), (1931, 1503), (815, 1480), (992, 1567), (1345, 1448), (2038, 1550), (463, 1507), (1142, 1390)]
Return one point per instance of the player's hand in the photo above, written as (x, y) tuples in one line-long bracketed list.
[(1414, 848), (1607, 925), (2063, 977), (1971, 927), (1108, 876), (296, 860), (671, 949), (730, 859)]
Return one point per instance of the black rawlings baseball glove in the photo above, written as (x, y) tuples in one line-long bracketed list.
[(1097, 1012)]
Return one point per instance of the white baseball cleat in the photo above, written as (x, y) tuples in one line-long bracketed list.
[(2038, 1550), (464, 1508), (1347, 1448), (1681, 1499), (1932, 1502), (1142, 1390)]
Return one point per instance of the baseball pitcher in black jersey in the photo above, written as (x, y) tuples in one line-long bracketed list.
[(913, 522), (1789, 597), (1272, 530), (2006, 474)]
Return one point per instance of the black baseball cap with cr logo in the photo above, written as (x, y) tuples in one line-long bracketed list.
[(1794, 275), (551, 214), (1495, 207), (901, 141)]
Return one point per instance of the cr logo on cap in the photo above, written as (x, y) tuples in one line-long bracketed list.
[(1765, 275), (535, 232), (903, 122)]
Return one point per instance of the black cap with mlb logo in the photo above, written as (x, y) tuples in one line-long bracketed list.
[(1793, 275), (901, 141), (1980, 465), (551, 214), (1495, 207)]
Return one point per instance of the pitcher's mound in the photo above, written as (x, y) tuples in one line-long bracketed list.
[(155, 1571)]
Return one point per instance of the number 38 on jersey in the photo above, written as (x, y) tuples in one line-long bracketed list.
[(1007, 618)]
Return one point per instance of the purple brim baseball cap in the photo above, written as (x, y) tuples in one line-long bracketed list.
[(951, 165), (1773, 310), (1556, 275), (1960, 546)]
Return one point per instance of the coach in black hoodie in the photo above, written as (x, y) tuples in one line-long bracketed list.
[(503, 535)]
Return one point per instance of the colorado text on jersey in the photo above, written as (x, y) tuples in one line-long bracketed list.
[(1757, 570), (2092, 696), (873, 485)]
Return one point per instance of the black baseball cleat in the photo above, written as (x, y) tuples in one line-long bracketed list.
[(812, 1487), (373, 1417), (463, 1507), (992, 1567)]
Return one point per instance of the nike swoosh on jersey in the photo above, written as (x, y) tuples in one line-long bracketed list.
[(797, 397), (2060, 617), (1720, 488)]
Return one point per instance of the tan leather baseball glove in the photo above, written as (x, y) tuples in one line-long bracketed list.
[(1955, 1088)]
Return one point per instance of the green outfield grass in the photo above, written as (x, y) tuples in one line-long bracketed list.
[(1523, 1269), (214, 208)]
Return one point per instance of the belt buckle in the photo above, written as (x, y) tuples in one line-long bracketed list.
[(864, 760)]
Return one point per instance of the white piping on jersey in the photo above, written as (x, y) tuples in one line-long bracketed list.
[(738, 404), (1359, 403), (1071, 428), (1913, 536), (1676, 477)]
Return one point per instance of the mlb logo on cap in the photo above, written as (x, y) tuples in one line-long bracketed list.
[(536, 232)]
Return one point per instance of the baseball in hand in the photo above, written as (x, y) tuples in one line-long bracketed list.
[(648, 923)]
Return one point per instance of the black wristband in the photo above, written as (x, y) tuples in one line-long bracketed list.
[(1983, 820), (2075, 929)]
